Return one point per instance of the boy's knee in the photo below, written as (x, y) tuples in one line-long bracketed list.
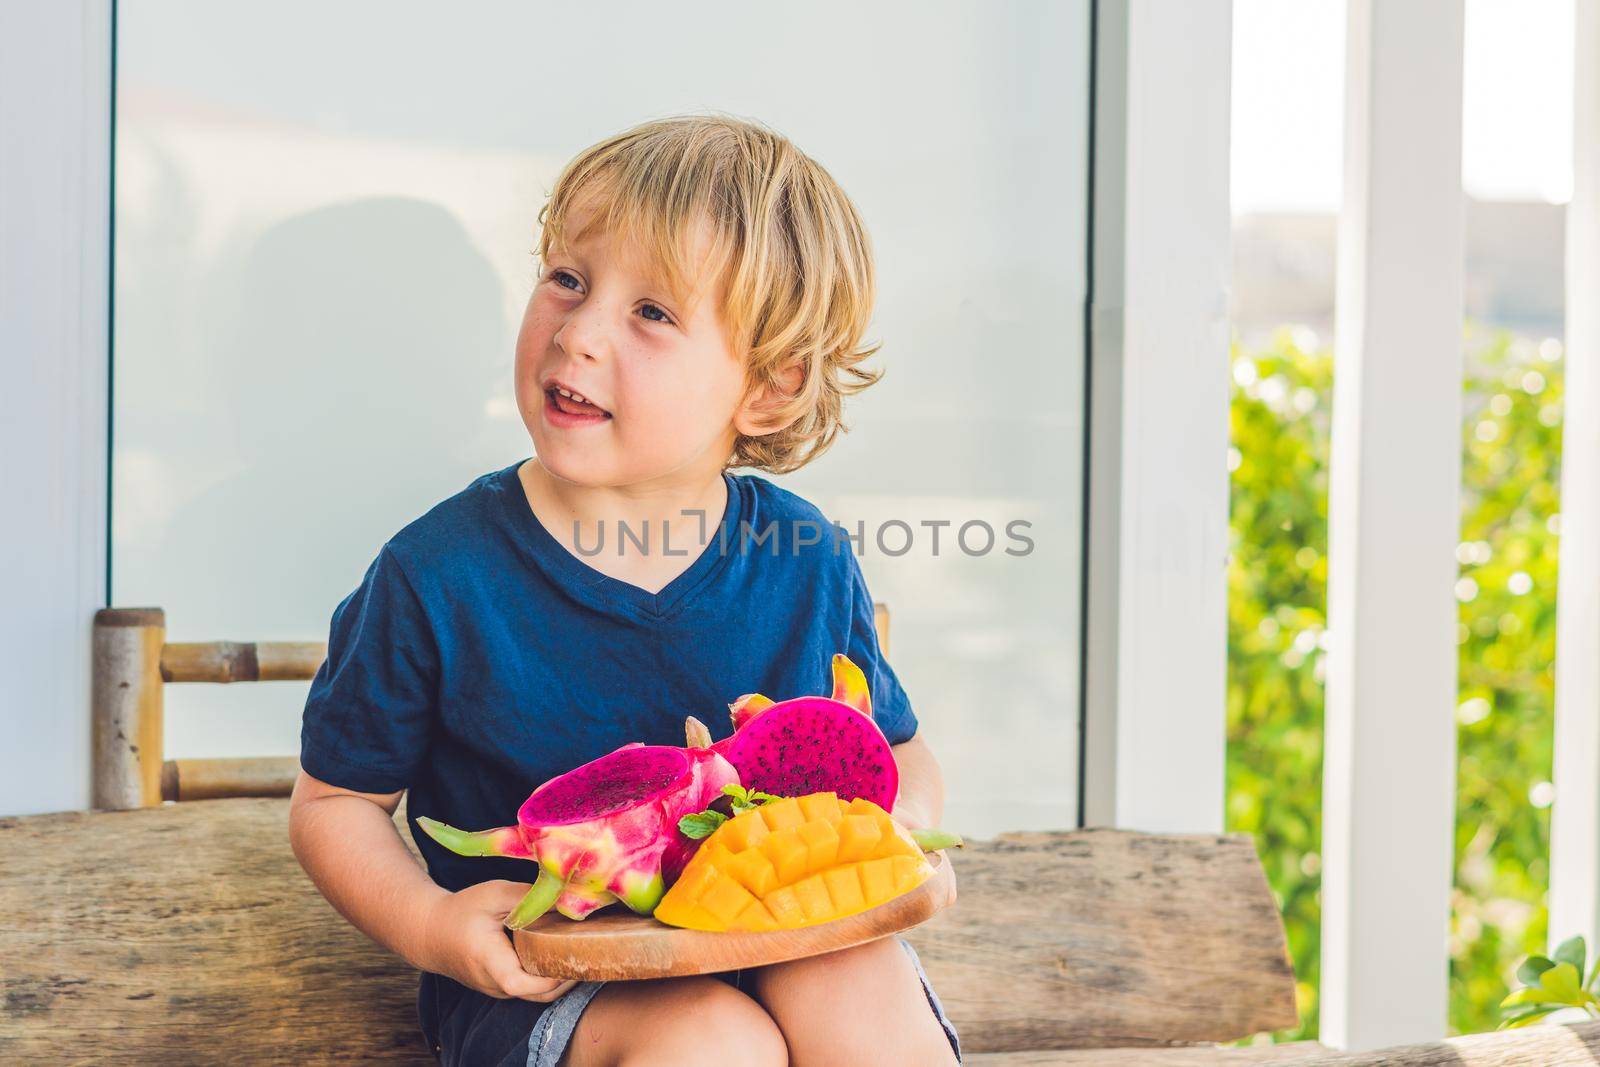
[(728, 1027), (845, 971), (710, 1022)]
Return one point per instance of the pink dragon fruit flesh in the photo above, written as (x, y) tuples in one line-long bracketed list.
[(811, 744), (604, 832)]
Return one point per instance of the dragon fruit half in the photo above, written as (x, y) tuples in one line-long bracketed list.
[(810, 744), (604, 831)]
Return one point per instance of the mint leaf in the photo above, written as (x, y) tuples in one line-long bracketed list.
[(746, 799), (701, 824)]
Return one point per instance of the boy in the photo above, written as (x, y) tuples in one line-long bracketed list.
[(703, 292)]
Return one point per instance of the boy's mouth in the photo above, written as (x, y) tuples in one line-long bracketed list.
[(577, 408)]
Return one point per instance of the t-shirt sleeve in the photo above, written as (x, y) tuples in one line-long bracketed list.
[(891, 709), (369, 714)]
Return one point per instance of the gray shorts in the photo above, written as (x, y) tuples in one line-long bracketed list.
[(556, 1024)]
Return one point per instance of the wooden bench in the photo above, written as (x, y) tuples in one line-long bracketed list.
[(187, 933)]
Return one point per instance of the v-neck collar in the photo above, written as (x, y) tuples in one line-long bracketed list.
[(571, 571)]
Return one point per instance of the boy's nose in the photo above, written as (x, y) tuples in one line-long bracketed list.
[(585, 334)]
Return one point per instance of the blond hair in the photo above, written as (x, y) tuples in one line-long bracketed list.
[(789, 256)]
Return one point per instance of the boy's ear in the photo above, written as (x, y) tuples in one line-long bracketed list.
[(756, 416)]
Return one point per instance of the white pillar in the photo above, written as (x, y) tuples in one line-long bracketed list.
[(1575, 815), (1394, 519), (1156, 669), (55, 241)]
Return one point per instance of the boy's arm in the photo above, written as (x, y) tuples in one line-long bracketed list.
[(921, 801), (348, 844)]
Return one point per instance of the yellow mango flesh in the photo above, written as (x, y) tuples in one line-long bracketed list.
[(795, 862)]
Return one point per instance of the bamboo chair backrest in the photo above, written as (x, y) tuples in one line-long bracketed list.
[(133, 662)]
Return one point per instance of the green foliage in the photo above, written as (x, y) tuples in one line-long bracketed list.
[(1550, 985), (1277, 596), (1277, 575), (1510, 482)]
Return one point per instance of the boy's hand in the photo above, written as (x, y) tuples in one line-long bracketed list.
[(465, 939), (909, 815)]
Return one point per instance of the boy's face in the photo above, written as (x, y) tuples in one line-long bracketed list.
[(662, 389)]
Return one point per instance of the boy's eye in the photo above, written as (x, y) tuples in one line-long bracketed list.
[(557, 275)]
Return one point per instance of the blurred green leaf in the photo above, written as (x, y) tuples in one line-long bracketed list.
[(1560, 983), (1571, 951), (1527, 1017), (1532, 968), (1528, 995)]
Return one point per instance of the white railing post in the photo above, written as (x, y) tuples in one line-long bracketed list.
[(1394, 519), (1156, 668), (1575, 815)]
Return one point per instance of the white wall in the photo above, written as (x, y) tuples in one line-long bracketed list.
[(55, 130), (323, 250)]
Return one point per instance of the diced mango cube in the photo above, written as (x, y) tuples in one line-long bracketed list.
[(858, 835), (695, 880), (755, 917), (716, 855), (909, 872), (877, 881), (784, 904), (896, 841), (782, 814), (822, 844), (814, 899), (862, 806), (677, 910), (754, 871), (845, 889), (788, 854), (742, 831), (725, 899), (821, 806)]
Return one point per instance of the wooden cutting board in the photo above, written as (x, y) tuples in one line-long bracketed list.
[(617, 944)]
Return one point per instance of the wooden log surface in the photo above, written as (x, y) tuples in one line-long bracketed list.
[(189, 933), (1207, 1055), (1106, 938), (1541, 1045)]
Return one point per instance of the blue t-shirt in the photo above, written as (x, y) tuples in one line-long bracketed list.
[(479, 657)]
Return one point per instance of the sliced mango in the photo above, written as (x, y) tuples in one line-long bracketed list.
[(726, 899), (782, 814), (822, 844), (820, 806), (797, 861), (754, 871), (858, 835)]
